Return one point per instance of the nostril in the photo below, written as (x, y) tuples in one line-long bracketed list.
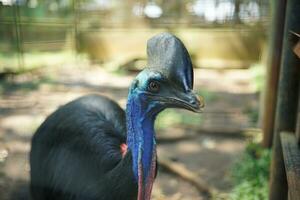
[(194, 100)]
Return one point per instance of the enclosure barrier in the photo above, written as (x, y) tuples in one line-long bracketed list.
[(289, 149), (285, 164), (291, 155)]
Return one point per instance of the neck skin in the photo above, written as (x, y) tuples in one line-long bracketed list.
[(141, 143)]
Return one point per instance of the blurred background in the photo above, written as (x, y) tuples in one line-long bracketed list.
[(54, 51)]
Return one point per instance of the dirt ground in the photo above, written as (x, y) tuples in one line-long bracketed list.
[(27, 99)]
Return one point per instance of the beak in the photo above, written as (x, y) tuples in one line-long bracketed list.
[(186, 100), (189, 101)]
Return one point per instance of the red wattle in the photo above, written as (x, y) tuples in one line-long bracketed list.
[(145, 189), (140, 183), (123, 148)]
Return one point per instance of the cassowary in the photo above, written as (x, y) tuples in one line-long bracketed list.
[(90, 149)]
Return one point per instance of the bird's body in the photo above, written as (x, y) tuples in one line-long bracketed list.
[(86, 136), (90, 149)]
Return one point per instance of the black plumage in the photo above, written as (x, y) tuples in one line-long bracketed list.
[(79, 141)]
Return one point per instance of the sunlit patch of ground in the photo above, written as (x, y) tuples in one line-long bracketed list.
[(27, 99)]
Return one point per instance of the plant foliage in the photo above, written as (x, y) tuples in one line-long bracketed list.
[(251, 174)]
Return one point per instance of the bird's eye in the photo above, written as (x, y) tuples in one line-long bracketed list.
[(153, 86)]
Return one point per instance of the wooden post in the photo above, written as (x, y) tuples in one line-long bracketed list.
[(286, 108), (291, 154), (273, 66)]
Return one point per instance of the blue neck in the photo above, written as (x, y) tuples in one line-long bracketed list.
[(140, 135)]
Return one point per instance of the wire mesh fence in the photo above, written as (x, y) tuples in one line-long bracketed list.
[(33, 26)]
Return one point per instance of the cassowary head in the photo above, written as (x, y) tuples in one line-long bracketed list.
[(167, 81)]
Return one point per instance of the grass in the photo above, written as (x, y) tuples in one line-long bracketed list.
[(32, 60), (258, 75), (252, 113), (251, 174)]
